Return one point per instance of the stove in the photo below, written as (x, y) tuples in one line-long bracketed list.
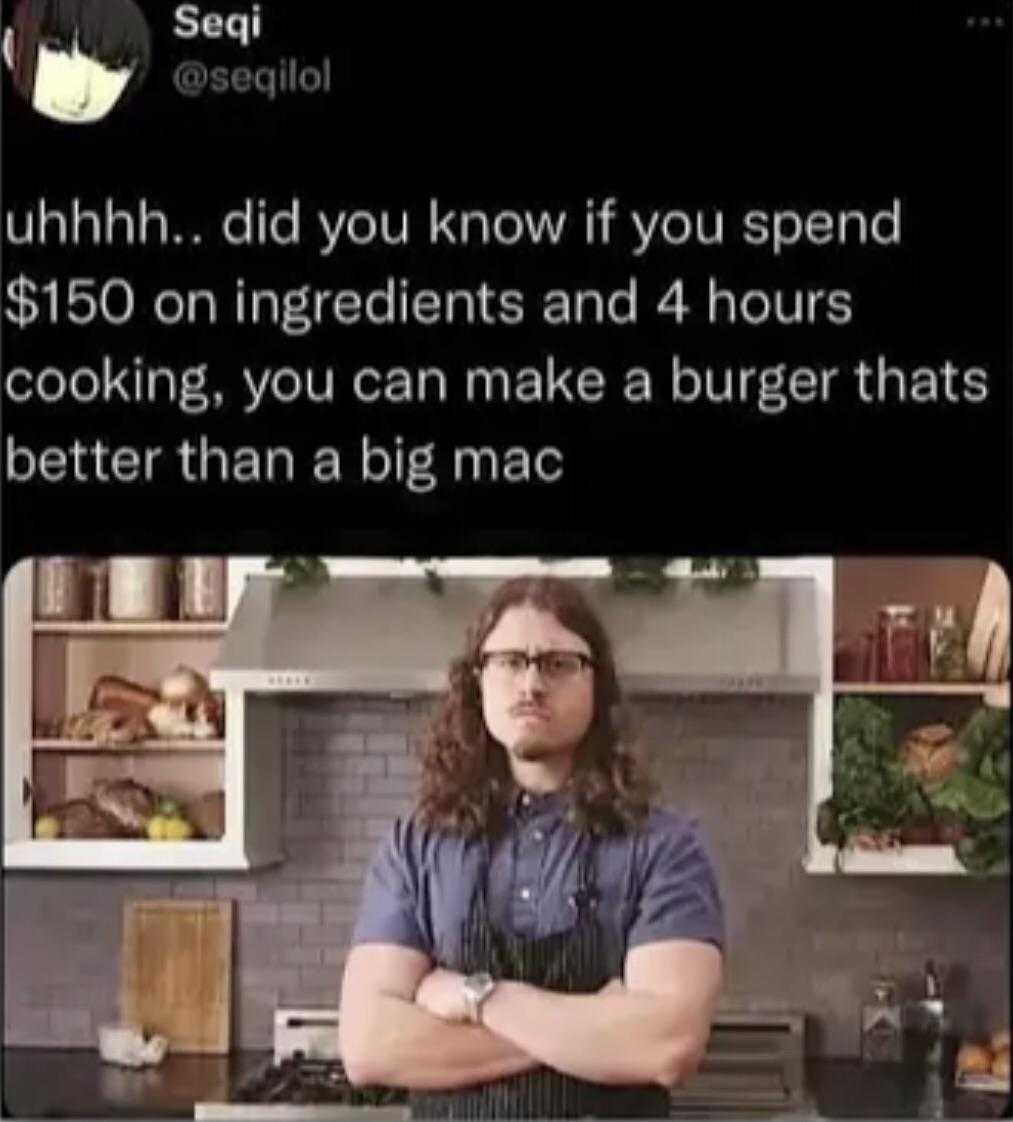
[(305, 1079), (754, 1068)]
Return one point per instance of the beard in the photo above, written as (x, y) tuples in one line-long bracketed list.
[(531, 753)]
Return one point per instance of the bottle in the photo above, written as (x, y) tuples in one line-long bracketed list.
[(930, 1023), (933, 989), (882, 1028)]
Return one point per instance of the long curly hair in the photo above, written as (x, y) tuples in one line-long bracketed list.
[(466, 779)]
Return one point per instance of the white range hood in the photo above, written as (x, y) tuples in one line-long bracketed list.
[(396, 636)]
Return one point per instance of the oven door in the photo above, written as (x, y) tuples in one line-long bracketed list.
[(754, 1067)]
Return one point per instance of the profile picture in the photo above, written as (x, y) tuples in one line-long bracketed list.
[(76, 60)]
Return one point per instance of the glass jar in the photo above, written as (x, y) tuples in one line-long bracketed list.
[(59, 591), (899, 643), (98, 573), (202, 588), (947, 645), (139, 588)]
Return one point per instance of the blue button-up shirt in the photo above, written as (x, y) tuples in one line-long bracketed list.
[(654, 883)]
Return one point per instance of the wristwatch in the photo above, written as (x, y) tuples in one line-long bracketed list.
[(477, 988)]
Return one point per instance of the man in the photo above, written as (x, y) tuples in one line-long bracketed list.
[(534, 941), (73, 60)]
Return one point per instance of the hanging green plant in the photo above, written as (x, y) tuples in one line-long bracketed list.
[(630, 573), (300, 572), (433, 576), (731, 572)]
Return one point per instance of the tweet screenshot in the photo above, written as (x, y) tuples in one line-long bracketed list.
[(506, 528)]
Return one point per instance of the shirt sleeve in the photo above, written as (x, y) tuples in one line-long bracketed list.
[(679, 897), (388, 911)]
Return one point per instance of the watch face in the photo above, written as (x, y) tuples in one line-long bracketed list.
[(479, 985)]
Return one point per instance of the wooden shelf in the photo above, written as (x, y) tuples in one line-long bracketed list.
[(944, 689), (169, 627), (140, 747)]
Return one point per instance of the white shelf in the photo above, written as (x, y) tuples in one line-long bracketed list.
[(140, 747), (919, 689), (169, 627), (49, 669), (907, 860), (130, 854)]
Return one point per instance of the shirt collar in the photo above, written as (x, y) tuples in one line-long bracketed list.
[(528, 804)]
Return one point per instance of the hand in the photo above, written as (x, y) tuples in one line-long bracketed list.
[(441, 992)]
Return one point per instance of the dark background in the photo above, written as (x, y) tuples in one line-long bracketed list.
[(686, 112)]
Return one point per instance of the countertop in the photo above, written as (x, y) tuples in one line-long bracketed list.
[(847, 1088), (74, 1083)]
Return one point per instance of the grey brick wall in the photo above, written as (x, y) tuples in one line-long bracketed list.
[(795, 941)]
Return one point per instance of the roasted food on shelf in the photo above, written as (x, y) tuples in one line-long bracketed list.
[(127, 803), (187, 708), (974, 1059), (80, 818), (990, 1060), (110, 692), (193, 721), (105, 726), (124, 712), (183, 686), (931, 753)]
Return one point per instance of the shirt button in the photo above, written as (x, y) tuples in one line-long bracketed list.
[(525, 800), (525, 893), (538, 835)]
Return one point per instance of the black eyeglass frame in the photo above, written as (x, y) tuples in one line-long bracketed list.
[(537, 660)]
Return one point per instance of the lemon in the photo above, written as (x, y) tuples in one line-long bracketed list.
[(47, 827), (178, 829), (157, 826)]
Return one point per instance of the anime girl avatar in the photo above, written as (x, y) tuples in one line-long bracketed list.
[(74, 60)]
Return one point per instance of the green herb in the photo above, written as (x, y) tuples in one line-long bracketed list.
[(871, 791), (978, 793), (639, 572), (971, 797), (649, 572), (298, 572), (732, 572)]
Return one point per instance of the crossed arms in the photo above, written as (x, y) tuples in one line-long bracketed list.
[(403, 1021)]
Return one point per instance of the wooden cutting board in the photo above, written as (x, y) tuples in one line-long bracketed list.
[(176, 971), (988, 641)]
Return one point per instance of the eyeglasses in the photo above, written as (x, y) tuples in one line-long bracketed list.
[(555, 666)]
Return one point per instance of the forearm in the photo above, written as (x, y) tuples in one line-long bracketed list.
[(402, 1045), (609, 1037)]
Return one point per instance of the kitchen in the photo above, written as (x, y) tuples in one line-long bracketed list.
[(736, 732)]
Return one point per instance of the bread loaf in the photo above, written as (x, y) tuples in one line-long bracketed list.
[(183, 686), (110, 692), (127, 803), (974, 1059), (78, 818), (1000, 1064), (106, 726)]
